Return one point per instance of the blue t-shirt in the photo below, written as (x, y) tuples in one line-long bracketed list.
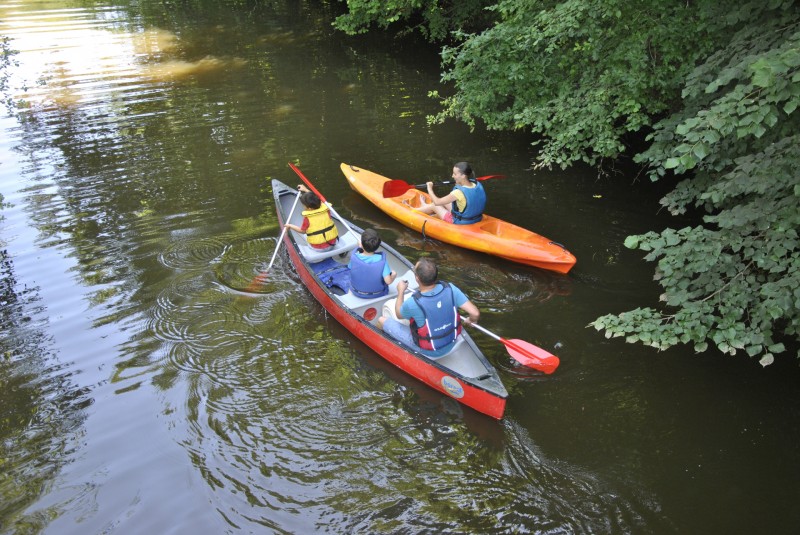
[(371, 259), (410, 309)]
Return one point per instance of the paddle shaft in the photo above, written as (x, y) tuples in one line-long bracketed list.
[(395, 188), (446, 182), (283, 232), (312, 188)]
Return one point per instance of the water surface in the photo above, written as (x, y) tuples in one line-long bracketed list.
[(145, 391)]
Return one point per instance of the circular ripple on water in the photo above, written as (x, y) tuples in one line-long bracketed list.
[(244, 267), (178, 304), (192, 253), (231, 369)]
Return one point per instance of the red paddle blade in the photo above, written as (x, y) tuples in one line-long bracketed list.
[(258, 281), (395, 188), (532, 356)]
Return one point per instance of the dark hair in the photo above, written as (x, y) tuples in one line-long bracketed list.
[(310, 200), (426, 271), (465, 168), (370, 240)]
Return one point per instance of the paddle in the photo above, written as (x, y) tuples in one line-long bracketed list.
[(261, 278), (525, 353), (283, 232), (312, 188), (395, 188)]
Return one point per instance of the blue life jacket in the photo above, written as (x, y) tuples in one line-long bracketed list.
[(333, 274), (366, 278), (476, 203), (442, 322)]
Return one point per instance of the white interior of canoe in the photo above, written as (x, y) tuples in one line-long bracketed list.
[(463, 359)]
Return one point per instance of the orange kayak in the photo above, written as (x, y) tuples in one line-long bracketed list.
[(490, 235)]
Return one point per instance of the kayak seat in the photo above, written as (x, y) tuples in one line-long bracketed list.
[(413, 199), (492, 227)]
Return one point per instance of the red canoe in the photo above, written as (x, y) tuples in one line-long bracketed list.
[(464, 374)]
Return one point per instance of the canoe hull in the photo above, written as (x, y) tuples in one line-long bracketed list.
[(486, 395), (491, 235)]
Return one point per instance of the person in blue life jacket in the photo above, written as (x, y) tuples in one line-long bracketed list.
[(462, 206), (432, 311), (370, 274), (320, 231)]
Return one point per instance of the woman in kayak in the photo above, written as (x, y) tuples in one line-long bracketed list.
[(370, 275), (317, 224), (432, 310), (462, 206)]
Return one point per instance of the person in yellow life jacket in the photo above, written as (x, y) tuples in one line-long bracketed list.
[(317, 224)]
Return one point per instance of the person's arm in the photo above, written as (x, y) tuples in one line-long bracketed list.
[(301, 230), (440, 201), (472, 311), (388, 275), (401, 291)]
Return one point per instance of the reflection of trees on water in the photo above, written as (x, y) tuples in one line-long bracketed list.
[(41, 411), (179, 138)]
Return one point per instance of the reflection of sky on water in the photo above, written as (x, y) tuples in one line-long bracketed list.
[(68, 58)]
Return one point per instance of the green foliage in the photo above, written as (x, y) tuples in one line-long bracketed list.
[(435, 20), (734, 282), (580, 73)]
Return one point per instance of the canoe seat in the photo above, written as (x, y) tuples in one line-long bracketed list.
[(359, 304), (348, 241)]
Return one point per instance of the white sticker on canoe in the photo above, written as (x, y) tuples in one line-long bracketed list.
[(452, 387)]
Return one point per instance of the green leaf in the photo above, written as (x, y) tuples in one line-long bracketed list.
[(631, 242), (700, 150)]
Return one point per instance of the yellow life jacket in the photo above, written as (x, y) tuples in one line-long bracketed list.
[(320, 226)]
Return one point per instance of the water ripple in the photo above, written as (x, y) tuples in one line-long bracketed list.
[(188, 254)]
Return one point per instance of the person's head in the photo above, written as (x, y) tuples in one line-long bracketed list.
[(426, 271), (462, 169), (370, 241), (310, 200)]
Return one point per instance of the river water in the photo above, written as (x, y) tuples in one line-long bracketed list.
[(143, 392)]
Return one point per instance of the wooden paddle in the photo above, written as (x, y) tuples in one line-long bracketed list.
[(312, 188), (525, 353), (395, 188)]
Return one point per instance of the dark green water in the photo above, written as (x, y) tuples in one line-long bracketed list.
[(142, 393)]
